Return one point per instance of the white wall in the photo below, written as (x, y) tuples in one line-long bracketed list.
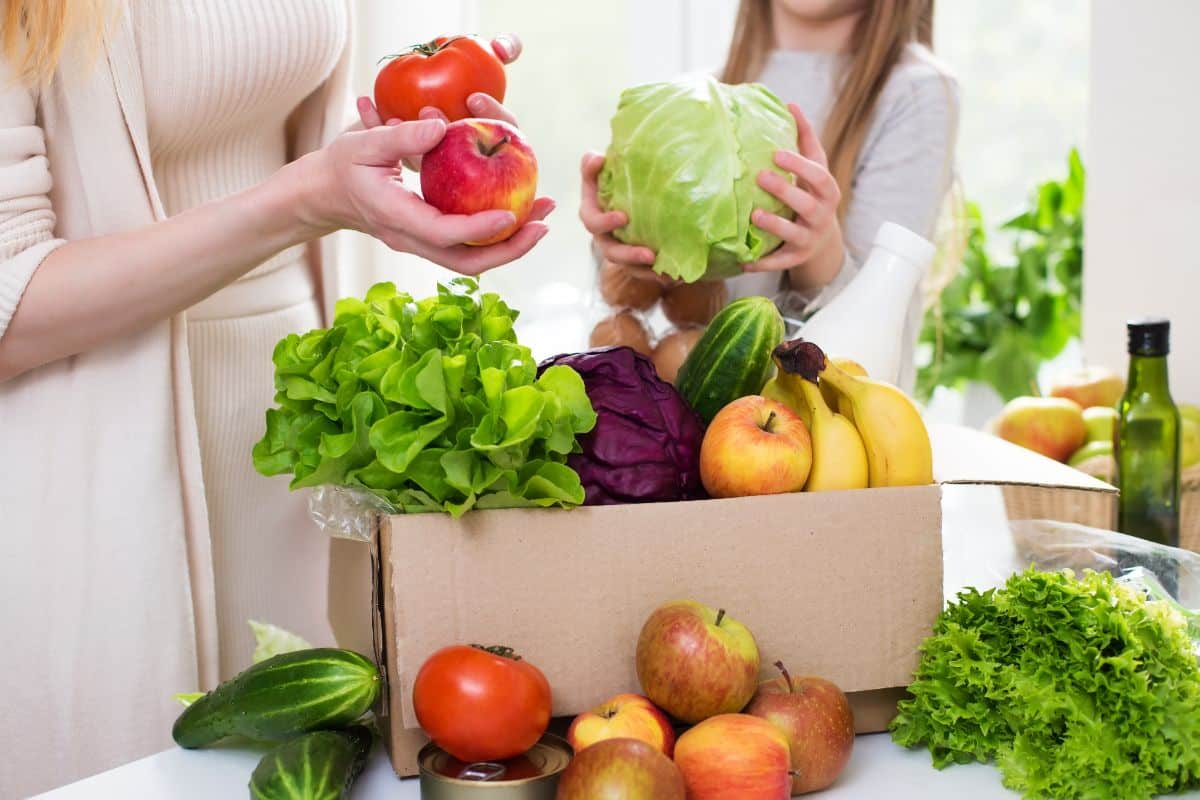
[(1143, 201)]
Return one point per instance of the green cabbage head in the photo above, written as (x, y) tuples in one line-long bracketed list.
[(682, 165)]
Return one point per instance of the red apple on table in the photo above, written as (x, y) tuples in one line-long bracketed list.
[(815, 716), (753, 446), (481, 165), (695, 662), (621, 769), (626, 716), (1090, 387), (735, 757)]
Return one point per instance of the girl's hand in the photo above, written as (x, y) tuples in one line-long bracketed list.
[(812, 243), (600, 223), (355, 183), (507, 48)]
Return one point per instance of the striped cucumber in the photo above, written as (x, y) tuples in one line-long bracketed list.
[(733, 357), (321, 765), (283, 696)]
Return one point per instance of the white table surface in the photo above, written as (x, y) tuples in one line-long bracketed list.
[(978, 552)]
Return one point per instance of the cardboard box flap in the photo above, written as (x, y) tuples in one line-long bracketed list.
[(963, 455)]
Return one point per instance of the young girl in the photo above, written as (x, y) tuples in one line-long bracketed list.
[(860, 73), (172, 157)]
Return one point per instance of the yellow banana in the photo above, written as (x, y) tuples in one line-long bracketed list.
[(892, 431), (839, 458), (847, 365)]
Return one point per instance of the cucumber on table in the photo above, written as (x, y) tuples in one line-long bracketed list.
[(732, 359), (321, 765), (281, 697)]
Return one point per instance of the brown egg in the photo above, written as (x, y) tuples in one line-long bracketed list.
[(622, 328), (620, 289), (694, 303), (672, 349)]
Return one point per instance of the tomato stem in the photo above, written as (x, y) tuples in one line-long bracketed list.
[(499, 650), (427, 49)]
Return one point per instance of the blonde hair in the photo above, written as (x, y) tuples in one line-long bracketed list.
[(876, 46), (37, 32)]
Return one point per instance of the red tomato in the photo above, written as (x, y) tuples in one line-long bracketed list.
[(442, 74), (481, 704)]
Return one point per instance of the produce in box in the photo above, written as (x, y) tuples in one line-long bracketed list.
[(755, 446), (645, 446), (432, 405)]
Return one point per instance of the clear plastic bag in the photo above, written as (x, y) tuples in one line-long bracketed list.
[(345, 512), (1163, 573)]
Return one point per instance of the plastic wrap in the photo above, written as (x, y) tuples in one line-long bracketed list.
[(1160, 570), (347, 513)]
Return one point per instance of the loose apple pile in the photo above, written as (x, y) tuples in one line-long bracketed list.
[(696, 666), (1076, 423)]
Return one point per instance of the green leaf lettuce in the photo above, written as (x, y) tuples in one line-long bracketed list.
[(432, 405)]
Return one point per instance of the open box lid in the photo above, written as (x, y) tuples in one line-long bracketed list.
[(967, 456)]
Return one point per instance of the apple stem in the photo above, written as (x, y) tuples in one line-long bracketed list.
[(491, 151), (770, 419), (720, 616), (779, 666)]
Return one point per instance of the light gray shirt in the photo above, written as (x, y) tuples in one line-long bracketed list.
[(903, 172)]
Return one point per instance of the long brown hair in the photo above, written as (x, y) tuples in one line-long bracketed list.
[(36, 32), (878, 41)]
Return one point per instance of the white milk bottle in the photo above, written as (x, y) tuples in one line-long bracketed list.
[(865, 322)]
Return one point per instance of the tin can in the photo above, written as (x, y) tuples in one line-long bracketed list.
[(531, 776)]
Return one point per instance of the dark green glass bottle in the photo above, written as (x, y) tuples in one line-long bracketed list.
[(1147, 446)]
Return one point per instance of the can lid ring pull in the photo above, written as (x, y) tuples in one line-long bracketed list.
[(482, 771)]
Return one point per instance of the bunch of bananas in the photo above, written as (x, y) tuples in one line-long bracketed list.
[(865, 433)]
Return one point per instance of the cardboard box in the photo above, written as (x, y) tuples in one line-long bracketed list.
[(844, 585)]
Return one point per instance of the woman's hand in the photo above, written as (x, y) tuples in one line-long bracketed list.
[(355, 183), (635, 260), (812, 244)]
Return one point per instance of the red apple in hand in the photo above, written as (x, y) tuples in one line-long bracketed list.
[(816, 718), (624, 716), (481, 165), (621, 769), (755, 445), (735, 757), (694, 662)]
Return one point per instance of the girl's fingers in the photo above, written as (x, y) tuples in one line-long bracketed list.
[(622, 253), (812, 175), (507, 47), (483, 105), (542, 208), (797, 235), (595, 219), (807, 140), (368, 113), (803, 203), (782, 259)]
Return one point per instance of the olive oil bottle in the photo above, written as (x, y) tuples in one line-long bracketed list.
[(1148, 439)]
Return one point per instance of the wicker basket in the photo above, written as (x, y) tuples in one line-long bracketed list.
[(1105, 468)]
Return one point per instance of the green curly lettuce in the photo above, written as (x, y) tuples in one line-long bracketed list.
[(430, 404), (1077, 687)]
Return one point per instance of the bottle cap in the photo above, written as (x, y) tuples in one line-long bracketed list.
[(904, 243), (1150, 336)]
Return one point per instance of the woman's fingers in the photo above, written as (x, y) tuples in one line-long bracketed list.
[(807, 140), (791, 195), (782, 259), (484, 105), (542, 208), (507, 47), (367, 113), (469, 260), (388, 145)]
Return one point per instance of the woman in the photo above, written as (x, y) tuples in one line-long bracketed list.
[(861, 73), (196, 162)]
